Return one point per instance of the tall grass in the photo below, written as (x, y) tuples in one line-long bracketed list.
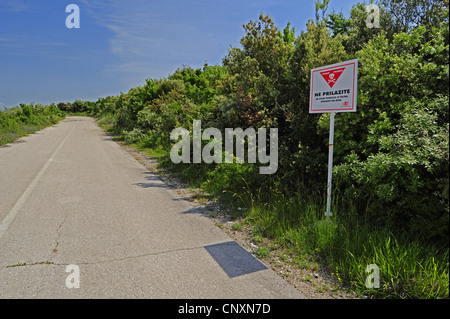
[(407, 268)]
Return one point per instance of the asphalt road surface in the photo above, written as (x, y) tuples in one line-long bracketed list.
[(81, 218)]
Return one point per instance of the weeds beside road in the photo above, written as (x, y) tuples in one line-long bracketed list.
[(26, 119)]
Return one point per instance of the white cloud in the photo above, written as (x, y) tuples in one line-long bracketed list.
[(31, 46), (13, 5), (155, 36)]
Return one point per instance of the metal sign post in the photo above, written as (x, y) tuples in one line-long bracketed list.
[(328, 212), (333, 89)]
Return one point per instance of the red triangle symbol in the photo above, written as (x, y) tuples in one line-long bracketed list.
[(332, 76)]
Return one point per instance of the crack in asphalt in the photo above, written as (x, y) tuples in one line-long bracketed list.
[(103, 261), (58, 231)]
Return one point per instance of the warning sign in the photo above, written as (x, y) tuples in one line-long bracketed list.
[(334, 88), (332, 76)]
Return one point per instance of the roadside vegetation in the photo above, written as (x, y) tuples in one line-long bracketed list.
[(391, 172), (26, 119), (391, 157)]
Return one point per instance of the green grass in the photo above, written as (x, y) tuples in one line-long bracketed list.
[(408, 269), (237, 226), (12, 133), (257, 239), (262, 252)]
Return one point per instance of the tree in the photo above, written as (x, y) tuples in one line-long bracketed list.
[(288, 34), (259, 70), (63, 106), (359, 33), (338, 23), (321, 7), (409, 14)]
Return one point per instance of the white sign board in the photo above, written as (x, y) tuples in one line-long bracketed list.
[(334, 88)]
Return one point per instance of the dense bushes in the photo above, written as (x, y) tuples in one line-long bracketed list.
[(78, 106), (26, 118), (393, 160)]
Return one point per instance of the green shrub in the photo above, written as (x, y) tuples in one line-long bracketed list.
[(19, 121), (134, 136), (404, 186), (229, 178)]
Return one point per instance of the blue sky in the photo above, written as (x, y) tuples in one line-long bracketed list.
[(121, 43)]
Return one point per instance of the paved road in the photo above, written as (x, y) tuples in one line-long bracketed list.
[(76, 210)]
